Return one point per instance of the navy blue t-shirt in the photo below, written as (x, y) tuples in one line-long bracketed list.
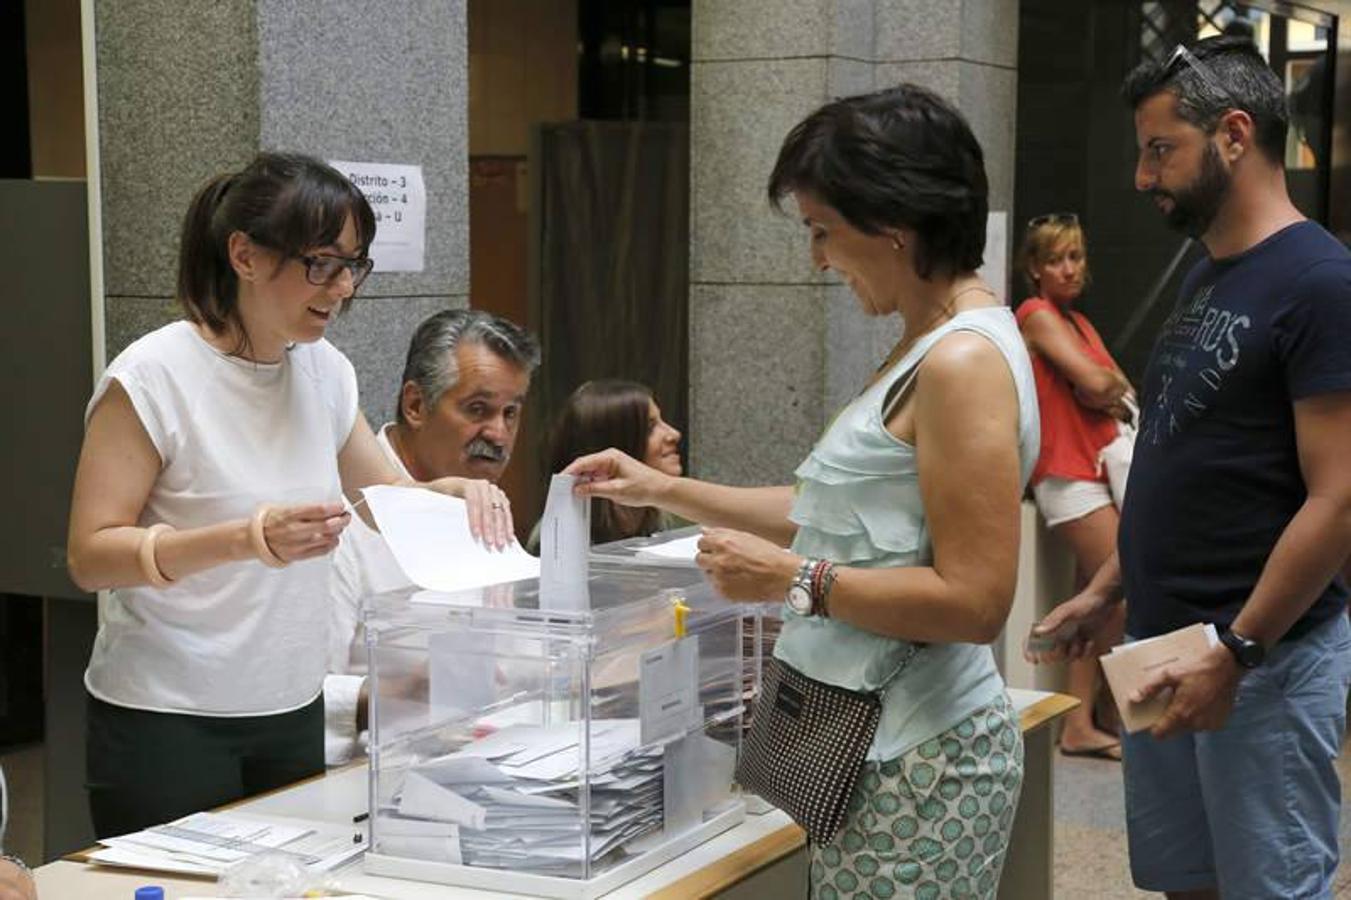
[(1216, 477)]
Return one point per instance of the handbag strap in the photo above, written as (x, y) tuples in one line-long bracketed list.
[(901, 666)]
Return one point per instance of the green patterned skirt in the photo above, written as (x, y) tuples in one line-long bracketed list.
[(933, 823)]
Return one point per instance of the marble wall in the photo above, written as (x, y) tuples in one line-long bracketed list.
[(775, 347), (189, 90)]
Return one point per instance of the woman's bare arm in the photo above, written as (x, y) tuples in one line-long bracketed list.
[(117, 469), (616, 476)]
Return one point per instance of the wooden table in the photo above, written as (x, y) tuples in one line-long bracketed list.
[(763, 857)]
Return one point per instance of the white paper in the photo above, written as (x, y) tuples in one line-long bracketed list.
[(398, 198), (428, 533), (667, 689), (565, 547), (458, 769), (1212, 638), (684, 548), (423, 798), (697, 772), (431, 849), (207, 843)]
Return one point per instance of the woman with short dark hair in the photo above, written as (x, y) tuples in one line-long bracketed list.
[(208, 498), (903, 524)]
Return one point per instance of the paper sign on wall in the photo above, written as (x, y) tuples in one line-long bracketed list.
[(399, 200)]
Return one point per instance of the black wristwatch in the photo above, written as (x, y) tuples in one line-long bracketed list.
[(1249, 653)]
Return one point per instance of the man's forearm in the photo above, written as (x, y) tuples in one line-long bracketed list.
[(1106, 582), (1310, 552)]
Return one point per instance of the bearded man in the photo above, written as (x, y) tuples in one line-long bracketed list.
[(1238, 507)]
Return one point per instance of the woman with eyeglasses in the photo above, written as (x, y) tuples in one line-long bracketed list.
[(1082, 394), (208, 497)]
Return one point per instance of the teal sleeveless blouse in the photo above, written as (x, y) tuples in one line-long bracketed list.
[(859, 504)]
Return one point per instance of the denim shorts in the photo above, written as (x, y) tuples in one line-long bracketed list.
[(1250, 809)]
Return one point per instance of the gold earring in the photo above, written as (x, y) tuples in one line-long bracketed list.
[(897, 244)]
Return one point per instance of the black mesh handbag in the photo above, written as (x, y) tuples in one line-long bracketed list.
[(806, 745)]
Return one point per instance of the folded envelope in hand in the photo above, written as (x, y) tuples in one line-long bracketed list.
[(1129, 666)]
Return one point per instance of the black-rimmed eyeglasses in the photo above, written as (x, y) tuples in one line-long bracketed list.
[(323, 268), (1061, 218)]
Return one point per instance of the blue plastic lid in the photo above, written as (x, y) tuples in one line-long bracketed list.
[(150, 892)]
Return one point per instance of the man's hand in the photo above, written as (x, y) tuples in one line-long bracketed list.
[(1072, 628), (15, 883), (1203, 693)]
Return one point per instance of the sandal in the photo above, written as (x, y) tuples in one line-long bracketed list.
[(1110, 751)]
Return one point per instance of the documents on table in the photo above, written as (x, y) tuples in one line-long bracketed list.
[(428, 533), (1129, 666), (208, 843), (512, 798)]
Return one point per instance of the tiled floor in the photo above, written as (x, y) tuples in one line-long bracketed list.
[(1090, 837)]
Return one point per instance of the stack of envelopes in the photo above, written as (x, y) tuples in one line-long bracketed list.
[(515, 796)]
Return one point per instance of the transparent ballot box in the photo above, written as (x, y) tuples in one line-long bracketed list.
[(674, 549), (555, 752)]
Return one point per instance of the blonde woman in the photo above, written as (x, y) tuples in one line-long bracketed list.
[(1082, 394)]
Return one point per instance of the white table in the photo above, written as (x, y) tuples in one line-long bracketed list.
[(763, 857)]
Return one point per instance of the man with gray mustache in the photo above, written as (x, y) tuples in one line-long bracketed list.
[(459, 411)]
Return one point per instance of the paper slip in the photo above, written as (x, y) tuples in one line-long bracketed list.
[(208, 843), (1130, 665), (680, 548), (565, 547), (667, 689), (423, 798), (458, 769), (428, 533)]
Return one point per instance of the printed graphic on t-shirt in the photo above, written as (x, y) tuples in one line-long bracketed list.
[(1200, 346)]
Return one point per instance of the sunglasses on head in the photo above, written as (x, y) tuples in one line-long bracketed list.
[(1182, 56), (1064, 218)]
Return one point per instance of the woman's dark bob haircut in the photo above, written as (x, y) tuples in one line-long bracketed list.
[(897, 158), (289, 203)]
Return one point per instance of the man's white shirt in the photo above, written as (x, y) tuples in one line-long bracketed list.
[(362, 567)]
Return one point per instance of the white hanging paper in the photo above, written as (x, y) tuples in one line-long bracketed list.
[(399, 200)]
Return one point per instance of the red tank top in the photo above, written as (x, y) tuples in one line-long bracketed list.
[(1071, 433)]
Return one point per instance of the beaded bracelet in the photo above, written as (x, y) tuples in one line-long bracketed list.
[(145, 555), (259, 539), (823, 579)]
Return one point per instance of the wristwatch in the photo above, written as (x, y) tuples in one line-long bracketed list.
[(1248, 652), (799, 595)]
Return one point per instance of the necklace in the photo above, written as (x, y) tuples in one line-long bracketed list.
[(908, 340)]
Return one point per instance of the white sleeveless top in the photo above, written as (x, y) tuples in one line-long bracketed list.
[(239, 639)]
